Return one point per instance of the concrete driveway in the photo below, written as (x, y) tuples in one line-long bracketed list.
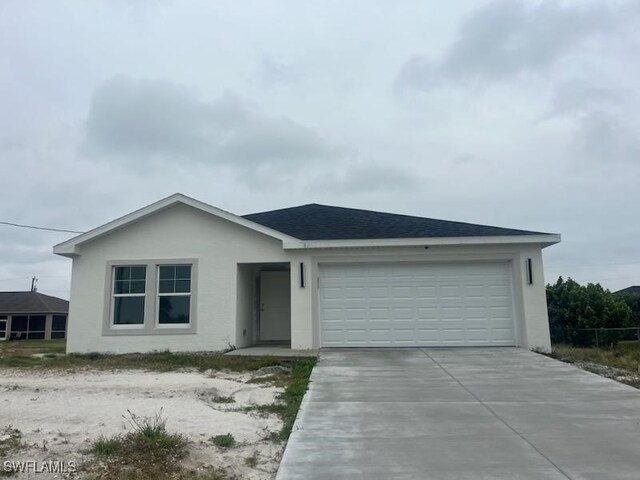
[(461, 414)]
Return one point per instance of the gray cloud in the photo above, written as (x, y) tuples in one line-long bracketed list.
[(577, 96), (159, 121), (604, 137), (367, 178), (506, 38)]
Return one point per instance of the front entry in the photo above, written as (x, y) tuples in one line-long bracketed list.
[(275, 306)]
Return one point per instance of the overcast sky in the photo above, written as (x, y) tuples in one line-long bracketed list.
[(521, 114)]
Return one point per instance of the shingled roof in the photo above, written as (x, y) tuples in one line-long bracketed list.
[(322, 222), (31, 302), (634, 289)]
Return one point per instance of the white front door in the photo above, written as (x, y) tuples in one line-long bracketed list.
[(275, 306), (416, 304)]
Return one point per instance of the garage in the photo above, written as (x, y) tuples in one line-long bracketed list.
[(416, 304)]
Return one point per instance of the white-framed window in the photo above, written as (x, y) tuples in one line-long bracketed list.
[(173, 295), (128, 296)]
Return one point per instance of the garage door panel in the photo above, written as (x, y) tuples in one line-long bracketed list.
[(416, 304)]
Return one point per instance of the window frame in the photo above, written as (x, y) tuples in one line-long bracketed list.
[(127, 326), (151, 302), (159, 295)]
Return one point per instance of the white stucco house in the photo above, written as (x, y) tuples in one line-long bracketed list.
[(183, 275)]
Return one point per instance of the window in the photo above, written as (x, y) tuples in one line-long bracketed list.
[(58, 326), (174, 294), (129, 284)]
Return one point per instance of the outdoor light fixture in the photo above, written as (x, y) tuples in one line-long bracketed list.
[(529, 272), (301, 274)]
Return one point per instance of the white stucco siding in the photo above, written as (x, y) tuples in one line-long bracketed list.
[(176, 233)]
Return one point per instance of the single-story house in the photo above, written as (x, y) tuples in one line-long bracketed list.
[(32, 316), (183, 275)]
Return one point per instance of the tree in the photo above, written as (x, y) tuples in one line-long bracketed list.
[(573, 307)]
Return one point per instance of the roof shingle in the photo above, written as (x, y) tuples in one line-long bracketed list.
[(322, 222)]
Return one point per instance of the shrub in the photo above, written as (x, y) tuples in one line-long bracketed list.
[(223, 441)]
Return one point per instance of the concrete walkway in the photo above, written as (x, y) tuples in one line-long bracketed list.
[(461, 414)]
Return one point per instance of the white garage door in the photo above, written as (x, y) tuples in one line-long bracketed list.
[(407, 304)]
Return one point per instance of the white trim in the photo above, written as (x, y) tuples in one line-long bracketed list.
[(543, 239), (70, 248), (126, 326), (179, 294)]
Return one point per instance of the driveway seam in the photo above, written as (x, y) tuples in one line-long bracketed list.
[(490, 410)]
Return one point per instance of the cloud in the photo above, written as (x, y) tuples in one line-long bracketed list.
[(508, 38), (152, 120), (367, 178), (604, 137), (577, 96)]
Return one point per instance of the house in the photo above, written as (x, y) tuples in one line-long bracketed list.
[(180, 274), (32, 315), (632, 290)]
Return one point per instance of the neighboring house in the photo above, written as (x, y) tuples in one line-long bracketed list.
[(182, 275), (32, 315), (634, 289)]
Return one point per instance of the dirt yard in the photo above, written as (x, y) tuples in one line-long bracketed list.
[(61, 413)]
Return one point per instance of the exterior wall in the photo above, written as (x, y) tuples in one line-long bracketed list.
[(225, 287), (175, 233)]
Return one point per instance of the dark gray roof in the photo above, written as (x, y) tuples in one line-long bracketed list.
[(322, 222), (31, 302), (633, 289)]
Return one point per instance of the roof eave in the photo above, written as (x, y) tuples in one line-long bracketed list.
[(70, 248), (544, 240)]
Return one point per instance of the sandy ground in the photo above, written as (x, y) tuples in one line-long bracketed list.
[(61, 413)]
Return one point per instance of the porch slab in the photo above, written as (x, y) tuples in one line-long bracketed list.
[(272, 351)]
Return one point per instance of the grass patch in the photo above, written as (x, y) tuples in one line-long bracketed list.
[(625, 356), (223, 441), (29, 347), (155, 361), (290, 399)]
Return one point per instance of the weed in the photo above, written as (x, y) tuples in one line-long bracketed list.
[(223, 399), (252, 461), (10, 440), (149, 435), (106, 447), (223, 441), (277, 380), (146, 452)]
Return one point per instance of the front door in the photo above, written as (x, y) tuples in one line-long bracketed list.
[(275, 306)]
